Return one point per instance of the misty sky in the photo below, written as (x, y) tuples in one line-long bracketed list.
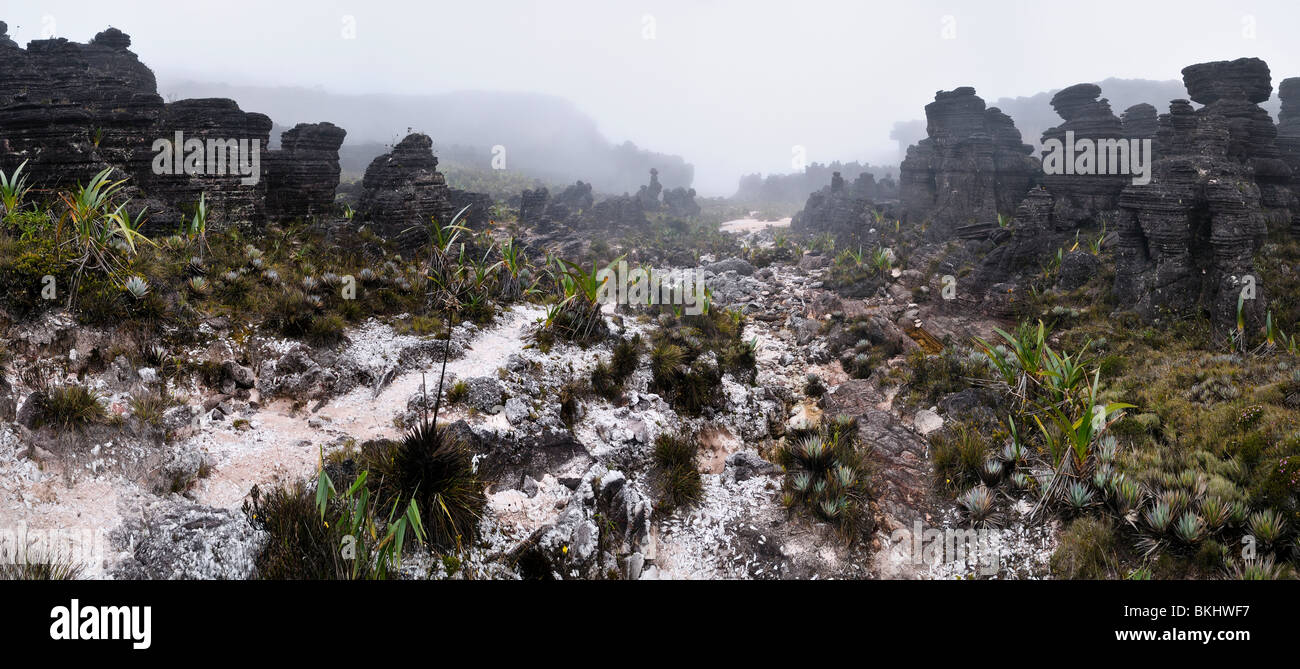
[(731, 85)]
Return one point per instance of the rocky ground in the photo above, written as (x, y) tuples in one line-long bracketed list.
[(171, 507)]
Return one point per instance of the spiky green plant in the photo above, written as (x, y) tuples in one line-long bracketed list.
[(432, 469), (31, 563), (515, 283), (676, 456), (979, 504), (95, 229), (442, 238), (1078, 496), (881, 260), (1263, 568), (196, 229), (1101, 476), (1267, 526), (1125, 494), (825, 474), (69, 405), (13, 189), (1189, 528), (578, 317), (1178, 500), (1159, 517), (992, 471), (136, 287), (1216, 513), (1079, 426)]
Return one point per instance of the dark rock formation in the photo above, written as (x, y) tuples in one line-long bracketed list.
[(649, 194), (71, 110), (1140, 121), (302, 175), (1077, 268), (572, 213), (1084, 198), (575, 199), (5, 40), (1187, 240), (231, 199), (844, 212), (1288, 138), (616, 213), (532, 207), (479, 211), (971, 167), (571, 204), (1032, 236), (1233, 90), (540, 212), (680, 202), (403, 191)]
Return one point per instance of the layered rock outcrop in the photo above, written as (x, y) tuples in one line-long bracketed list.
[(649, 193), (1288, 138), (680, 202), (1141, 121), (575, 211), (841, 210), (1034, 234), (303, 173), (540, 212), (70, 110), (1187, 240), (1233, 90), (5, 39), (173, 190), (971, 167), (1083, 198), (403, 190)]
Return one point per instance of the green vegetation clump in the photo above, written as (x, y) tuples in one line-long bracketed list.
[(826, 475), (608, 379), (859, 272), (87, 250), (676, 457), (690, 353), (68, 406), (931, 377), (1086, 551), (1163, 448), (434, 469)]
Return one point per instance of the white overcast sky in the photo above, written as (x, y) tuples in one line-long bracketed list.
[(731, 85)]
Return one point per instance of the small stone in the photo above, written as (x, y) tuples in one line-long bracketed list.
[(635, 562), (242, 376), (927, 421), (517, 410)]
